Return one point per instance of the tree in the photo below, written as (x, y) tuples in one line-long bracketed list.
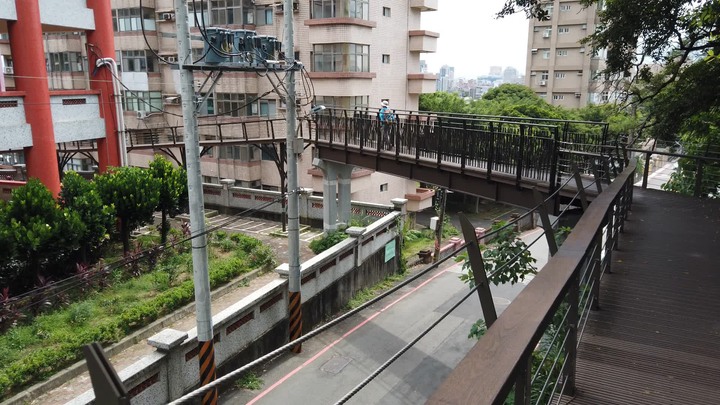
[(135, 193), (81, 196), (682, 36), (41, 231), (506, 260), (173, 191), (441, 101)]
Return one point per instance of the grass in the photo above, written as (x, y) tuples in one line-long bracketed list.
[(366, 294), (61, 330), (249, 381)]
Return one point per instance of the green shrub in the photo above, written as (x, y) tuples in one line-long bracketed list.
[(331, 239), (78, 314), (262, 257)]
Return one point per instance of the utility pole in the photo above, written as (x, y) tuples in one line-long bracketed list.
[(439, 227), (201, 277), (292, 146)]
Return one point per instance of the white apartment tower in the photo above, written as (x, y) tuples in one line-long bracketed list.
[(355, 52), (560, 68)]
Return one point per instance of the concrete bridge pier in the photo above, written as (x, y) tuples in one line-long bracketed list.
[(336, 193)]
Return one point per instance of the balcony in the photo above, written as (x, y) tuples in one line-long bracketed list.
[(423, 41), (341, 84), (421, 83), (76, 115), (57, 16), (424, 5), (15, 132)]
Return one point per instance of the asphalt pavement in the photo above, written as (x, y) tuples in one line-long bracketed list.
[(336, 361)]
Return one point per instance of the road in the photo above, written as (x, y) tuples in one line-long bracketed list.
[(335, 361)]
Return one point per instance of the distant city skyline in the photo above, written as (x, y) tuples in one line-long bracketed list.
[(472, 39)]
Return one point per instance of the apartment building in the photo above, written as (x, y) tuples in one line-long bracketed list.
[(355, 53), (560, 68)]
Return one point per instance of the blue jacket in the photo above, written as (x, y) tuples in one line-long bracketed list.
[(386, 115)]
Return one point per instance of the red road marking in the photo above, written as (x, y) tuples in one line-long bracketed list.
[(346, 334)]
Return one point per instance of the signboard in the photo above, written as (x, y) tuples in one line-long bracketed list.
[(389, 250)]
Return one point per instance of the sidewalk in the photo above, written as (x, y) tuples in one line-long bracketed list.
[(136, 345)]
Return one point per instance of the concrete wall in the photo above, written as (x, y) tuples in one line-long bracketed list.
[(235, 199), (257, 324)]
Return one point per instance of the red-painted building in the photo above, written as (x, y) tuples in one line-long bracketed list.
[(51, 97)]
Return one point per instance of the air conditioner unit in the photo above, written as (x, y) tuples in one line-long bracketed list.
[(546, 34), (534, 50), (584, 26), (582, 50), (533, 73), (172, 99), (171, 59), (543, 82), (280, 7), (9, 70), (141, 115), (168, 16), (577, 95)]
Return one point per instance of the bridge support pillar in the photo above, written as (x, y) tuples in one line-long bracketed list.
[(344, 173), (331, 173)]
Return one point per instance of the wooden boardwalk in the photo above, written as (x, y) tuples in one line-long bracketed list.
[(656, 338)]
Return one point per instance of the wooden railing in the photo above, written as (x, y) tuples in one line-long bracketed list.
[(531, 347)]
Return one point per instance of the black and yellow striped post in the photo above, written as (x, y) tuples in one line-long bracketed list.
[(207, 371), (295, 311)]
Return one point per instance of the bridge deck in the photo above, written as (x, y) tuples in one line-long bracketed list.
[(656, 338)]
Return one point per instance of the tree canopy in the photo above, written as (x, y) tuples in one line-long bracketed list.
[(662, 53)]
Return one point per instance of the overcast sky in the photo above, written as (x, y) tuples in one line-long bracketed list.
[(472, 39)]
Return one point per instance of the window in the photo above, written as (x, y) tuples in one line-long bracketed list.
[(198, 10), (565, 7), (64, 62), (548, 8), (542, 95), (150, 101), (386, 11), (264, 16), (546, 54), (385, 58), (225, 12), (323, 8), (243, 153), (267, 108), (359, 9), (136, 61), (563, 30), (544, 76), (343, 8), (349, 103), (128, 19), (236, 104), (341, 58), (384, 187), (562, 52), (558, 96), (559, 75)]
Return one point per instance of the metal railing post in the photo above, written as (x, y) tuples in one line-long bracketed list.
[(547, 225), (523, 382), (478, 270), (464, 148), (521, 146), (491, 151), (646, 170), (697, 193), (580, 188), (597, 271), (571, 342)]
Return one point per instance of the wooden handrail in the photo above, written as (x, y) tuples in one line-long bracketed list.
[(487, 373)]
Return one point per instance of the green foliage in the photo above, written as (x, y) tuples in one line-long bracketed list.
[(561, 234), (78, 314), (478, 329), (135, 194), (442, 102), (249, 381), (327, 241), (40, 232), (81, 196), (507, 259), (173, 197)]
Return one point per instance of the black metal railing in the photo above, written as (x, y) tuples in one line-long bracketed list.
[(532, 348)]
